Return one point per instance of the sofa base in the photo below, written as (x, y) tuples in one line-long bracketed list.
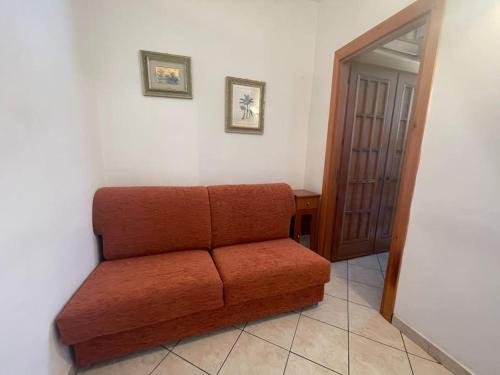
[(122, 343)]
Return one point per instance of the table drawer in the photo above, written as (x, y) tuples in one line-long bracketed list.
[(307, 203)]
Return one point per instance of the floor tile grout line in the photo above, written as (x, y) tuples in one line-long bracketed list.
[(332, 295), (366, 306), (165, 346), (261, 338), (378, 342), (360, 265), (230, 351), (380, 264), (291, 344), (360, 282), (159, 363), (426, 359), (316, 363), (355, 333), (365, 284), (407, 355), (365, 267), (191, 363), (265, 318), (434, 360), (242, 329), (356, 303), (238, 328), (269, 342)]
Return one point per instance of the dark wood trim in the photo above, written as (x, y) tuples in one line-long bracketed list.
[(430, 12)]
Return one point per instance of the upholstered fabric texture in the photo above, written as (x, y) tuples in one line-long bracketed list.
[(137, 221), (110, 346), (248, 213), (269, 268), (124, 294)]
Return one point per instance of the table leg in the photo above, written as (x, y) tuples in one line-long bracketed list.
[(314, 232), (297, 226)]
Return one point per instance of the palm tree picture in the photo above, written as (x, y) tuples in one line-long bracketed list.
[(244, 105), (245, 102)]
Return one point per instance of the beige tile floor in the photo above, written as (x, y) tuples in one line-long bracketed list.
[(344, 334)]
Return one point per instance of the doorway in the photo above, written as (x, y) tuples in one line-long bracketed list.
[(333, 231)]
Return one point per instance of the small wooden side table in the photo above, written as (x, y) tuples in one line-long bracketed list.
[(306, 203)]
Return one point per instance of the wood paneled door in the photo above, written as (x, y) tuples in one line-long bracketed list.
[(376, 120), (399, 129)]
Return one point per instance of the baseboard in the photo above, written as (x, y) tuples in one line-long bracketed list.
[(434, 351)]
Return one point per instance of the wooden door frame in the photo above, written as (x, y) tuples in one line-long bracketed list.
[(432, 12)]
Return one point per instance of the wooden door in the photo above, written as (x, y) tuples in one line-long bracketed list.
[(368, 118), (397, 144)]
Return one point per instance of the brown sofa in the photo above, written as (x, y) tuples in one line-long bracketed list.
[(180, 261)]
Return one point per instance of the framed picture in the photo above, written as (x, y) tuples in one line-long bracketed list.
[(168, 75), (244, 106)]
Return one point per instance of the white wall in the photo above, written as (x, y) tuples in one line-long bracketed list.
[(148, 140), (49, 168), (449, 283), (449, 286)]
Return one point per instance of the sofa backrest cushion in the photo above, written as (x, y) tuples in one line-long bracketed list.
[(137, 221), (249, 213)]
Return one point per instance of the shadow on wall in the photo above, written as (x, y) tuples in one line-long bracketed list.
[(56, 352)]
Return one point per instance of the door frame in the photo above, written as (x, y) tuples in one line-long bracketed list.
[(429, 12)]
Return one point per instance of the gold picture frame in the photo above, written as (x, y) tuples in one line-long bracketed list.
[(245, 101), (166, 75)]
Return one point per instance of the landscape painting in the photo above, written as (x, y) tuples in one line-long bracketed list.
[(166, 75)]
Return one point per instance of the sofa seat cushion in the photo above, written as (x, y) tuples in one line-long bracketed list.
[(124, 294), (270, 268)]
